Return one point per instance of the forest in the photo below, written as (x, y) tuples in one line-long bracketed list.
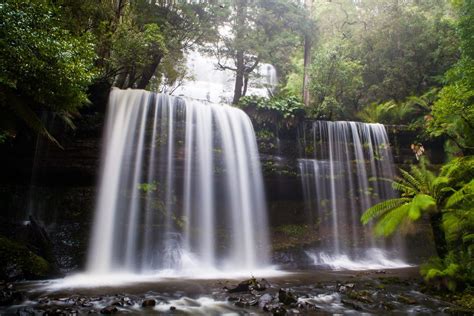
[(342, 130)]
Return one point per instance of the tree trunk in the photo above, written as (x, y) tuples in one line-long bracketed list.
[(308, 42), (239, 77), (246, 83), (239, 56), (148, 73), (438, 235)]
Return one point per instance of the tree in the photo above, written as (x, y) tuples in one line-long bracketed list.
[(403, 49), (308, 43), (260, 31), (43, 67), (135, 37), (453, 113), (336, 82)]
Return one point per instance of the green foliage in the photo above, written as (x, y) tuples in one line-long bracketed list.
[(260, 31), (453, 113), (336, 82), (275, 111), (42, 65), (422, 193), (377, 52), (134, 48), (17, 261), (449, 194), (452, 273), (148, 187), (412, 110)]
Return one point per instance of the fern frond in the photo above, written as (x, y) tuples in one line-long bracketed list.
[(464, 194), (403, 187), (381, 208), (411, 179), (391, 220), (421, 203)]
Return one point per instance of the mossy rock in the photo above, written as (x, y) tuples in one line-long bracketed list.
[(18, 262)]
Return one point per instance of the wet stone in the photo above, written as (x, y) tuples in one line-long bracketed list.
[(353, 304), (406, 300), (109, 310), (286, 297), (264, 300), (149, 303)]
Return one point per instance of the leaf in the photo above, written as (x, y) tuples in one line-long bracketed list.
[(382, 208), (421, 203), (391, 220)]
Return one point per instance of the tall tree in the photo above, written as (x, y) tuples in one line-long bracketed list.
[(308, 43), (259, 31)]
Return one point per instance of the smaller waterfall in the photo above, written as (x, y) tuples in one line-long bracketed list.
[(180, 188), (208, 83), (344, 172)]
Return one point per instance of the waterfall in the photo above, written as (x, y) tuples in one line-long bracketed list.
[(180, 185), (205, 81), (344, 171)]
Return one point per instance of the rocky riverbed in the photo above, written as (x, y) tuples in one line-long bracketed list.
[(304, 292)]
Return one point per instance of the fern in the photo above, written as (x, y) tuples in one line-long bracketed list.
[(391, 220), (403, 187), (465, 194), (410, 179), (383, 207)]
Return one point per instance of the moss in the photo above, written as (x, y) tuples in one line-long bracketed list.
[(285, 237), (18, 262)]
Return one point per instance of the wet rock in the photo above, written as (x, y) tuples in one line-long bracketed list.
[(9, 295), (343, 288), (264, 300), (458, 311), (286, 297), (353, 304), (277, 311), (26, 312), (387, 306), (172, 308), (149, 303), (362, 296), (406, 300), (109, 310), (247, 286), (127, 301), (240, 304), (118, 303)]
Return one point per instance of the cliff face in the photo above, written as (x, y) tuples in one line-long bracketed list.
[(58, 186)]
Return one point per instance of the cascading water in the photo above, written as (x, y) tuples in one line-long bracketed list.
[(344, 173), (180, 188), (211, 84)]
